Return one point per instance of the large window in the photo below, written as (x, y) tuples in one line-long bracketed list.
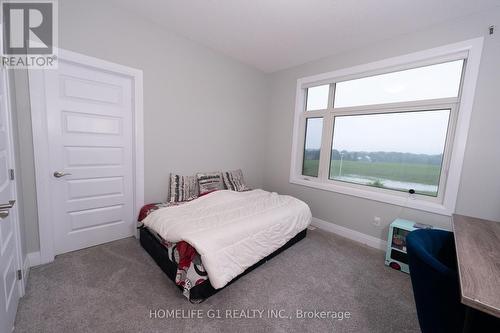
[(385, 133)]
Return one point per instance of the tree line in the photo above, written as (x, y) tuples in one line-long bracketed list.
[(377, 157)]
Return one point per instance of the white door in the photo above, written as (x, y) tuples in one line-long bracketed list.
[(9, 293), (90, 135)]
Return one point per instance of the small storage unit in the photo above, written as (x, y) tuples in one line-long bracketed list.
[(396, 256)]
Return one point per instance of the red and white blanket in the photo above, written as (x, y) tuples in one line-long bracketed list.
[(190, 270)]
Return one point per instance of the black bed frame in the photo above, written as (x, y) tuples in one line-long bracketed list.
[(203, 290)]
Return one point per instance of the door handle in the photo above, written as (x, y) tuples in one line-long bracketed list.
[(7, 206), (59, 174), (4, 214)]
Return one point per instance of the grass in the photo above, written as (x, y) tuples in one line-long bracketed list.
[(310, 168), (402, 172)]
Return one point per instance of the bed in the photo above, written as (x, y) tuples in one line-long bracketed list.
[(208, 243)]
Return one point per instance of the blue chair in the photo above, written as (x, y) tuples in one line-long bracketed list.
[(434, 277)]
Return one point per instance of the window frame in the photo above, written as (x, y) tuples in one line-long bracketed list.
[(456, 137)]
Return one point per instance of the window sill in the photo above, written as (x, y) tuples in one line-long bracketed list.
[(393, 199)]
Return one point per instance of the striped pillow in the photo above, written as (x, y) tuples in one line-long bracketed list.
[(182, 188), (209, 182), (233, 180)]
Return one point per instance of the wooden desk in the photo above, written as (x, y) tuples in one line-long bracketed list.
[(478, 253)]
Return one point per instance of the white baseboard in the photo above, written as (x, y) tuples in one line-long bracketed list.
[(349, 233), (26, 266), (34, 259), (26, 274)]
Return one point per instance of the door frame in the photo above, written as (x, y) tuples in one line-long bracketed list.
[(41, 143), (22, 263)]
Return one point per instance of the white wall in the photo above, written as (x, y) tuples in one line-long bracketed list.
[(202, 111), (480, 182)]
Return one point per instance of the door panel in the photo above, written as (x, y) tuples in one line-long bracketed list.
[(97, 217), (94, 187), (90, 90), (93, 156), (89, 122), (9, 293)]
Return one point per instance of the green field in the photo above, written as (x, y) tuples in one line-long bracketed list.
[(401, 172), (310, 168)]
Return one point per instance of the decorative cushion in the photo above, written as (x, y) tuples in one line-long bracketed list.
[(182, 188), (233, 180), (209, 182)]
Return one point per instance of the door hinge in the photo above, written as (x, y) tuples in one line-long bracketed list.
[(19, 274), (11, 174)]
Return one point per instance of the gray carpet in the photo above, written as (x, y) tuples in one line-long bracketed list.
[(113, 287)]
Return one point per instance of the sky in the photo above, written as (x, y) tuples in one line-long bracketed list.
[(416, 84), (429, 82)]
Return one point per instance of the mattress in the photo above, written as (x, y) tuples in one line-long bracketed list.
[(231, 230)]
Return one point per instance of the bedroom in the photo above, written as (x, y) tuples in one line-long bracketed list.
[(142, 90)]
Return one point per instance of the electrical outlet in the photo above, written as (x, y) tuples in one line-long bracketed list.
[(376, 221)]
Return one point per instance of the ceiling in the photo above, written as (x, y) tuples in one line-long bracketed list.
[(276, 34)]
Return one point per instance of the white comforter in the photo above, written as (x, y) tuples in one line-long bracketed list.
[(232, 230)]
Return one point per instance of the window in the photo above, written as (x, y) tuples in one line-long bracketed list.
[(416, 84), (382, 129), (407, 156), (310, 164), (317, 98)]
